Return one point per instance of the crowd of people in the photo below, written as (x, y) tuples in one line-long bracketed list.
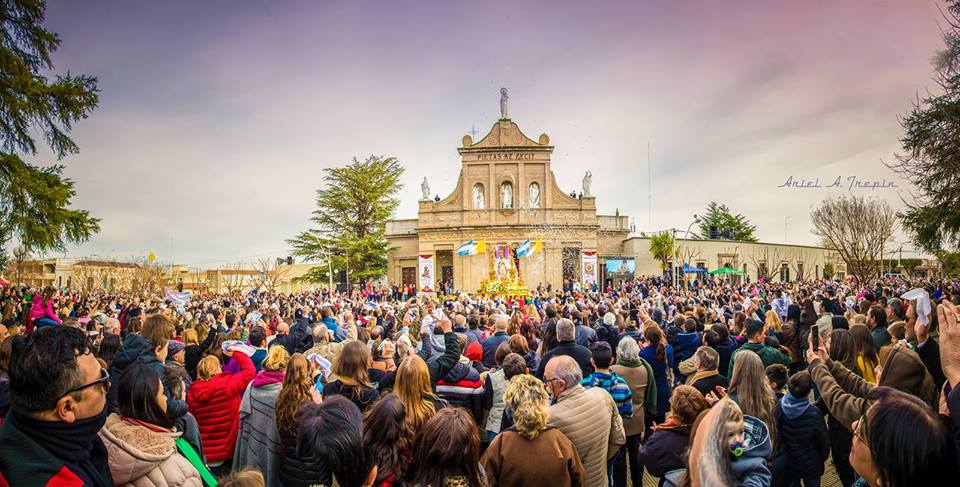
[(713, 383)]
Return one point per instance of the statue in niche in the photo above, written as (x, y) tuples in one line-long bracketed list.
[(506, 194), (534, 195), (478, 197)]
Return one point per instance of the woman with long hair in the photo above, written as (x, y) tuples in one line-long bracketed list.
[(446, 452), (415, 391), (772, 324), (140, 440), (353, 378), (294, 470), (506, 461), (658, 355), (108, 348), (808, 316), (388, 439), (258, 431), (749, 389), (791, 338), (866, 353)]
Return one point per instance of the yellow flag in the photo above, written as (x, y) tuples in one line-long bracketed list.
[(481, 246), (152, 257)]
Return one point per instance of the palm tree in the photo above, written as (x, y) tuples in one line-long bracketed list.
[(662, 248)]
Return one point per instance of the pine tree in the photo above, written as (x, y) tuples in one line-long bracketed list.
[(734, 227), (350, 220), (35, 200), (930, 157)]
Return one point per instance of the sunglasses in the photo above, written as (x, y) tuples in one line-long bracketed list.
[(103, 381)]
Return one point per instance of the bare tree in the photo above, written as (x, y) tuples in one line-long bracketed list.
[(233, 277), (857, 228), (766, 258), (271, 273), (802, 258)]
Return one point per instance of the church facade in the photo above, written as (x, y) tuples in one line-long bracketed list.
[(506, 194)]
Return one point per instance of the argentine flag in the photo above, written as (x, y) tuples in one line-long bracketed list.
[(528, 248), (472, 248)]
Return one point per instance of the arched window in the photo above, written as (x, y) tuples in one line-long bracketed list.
[(506, 194), (534, 199), (479, 199)]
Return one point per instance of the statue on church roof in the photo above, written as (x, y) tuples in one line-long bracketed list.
[(425, 190), (503, 103), (587, 181)]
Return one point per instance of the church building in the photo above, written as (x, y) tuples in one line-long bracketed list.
[(506, 194)]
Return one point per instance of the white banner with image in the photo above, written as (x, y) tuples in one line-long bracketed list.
[(425, 272), (588, 272)]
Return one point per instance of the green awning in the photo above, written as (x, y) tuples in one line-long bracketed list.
[(726, 270)]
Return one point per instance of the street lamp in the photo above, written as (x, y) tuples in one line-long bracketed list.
[(686, 235), (20, 252)]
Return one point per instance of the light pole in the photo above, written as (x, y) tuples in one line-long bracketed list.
[(686, 235), (20, 252)]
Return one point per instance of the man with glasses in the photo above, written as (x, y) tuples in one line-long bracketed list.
[(587, 416), (58, 399)]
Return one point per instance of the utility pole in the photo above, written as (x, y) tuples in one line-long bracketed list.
[(649, 189)]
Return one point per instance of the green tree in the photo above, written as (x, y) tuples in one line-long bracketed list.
[(35, 200), (930, 156), (719, 216), (349, 224), (662, 247), (949, 262)]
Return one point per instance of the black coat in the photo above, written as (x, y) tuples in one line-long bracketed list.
[(193, 353), (663, 450), (296, 471), (709, 384), (579, 353), (803, 444)]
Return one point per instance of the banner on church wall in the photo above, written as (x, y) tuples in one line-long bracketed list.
[(588, 271), (425, 272)]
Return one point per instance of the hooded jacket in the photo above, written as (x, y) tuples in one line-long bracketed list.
[(844, 392), (137, 349), (257, 438), (751, 467), (142, 457), (803, 444), (462, 387), (216, 405)]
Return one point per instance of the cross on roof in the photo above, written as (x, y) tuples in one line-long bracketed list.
[(473, 132)]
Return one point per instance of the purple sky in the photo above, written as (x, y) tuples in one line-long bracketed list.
[(217, 117)]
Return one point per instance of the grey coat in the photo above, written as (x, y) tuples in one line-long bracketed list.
[(257, 439)]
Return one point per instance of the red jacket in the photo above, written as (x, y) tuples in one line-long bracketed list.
[(216, 405)]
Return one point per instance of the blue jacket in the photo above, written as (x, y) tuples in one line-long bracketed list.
[(490, 347), (649, 353)]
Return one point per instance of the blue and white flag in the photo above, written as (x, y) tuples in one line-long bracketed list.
[(472, 248), (528, 248)]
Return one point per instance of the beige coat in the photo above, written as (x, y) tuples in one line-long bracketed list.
[(139, 457), (637, 379), (589, 418)]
